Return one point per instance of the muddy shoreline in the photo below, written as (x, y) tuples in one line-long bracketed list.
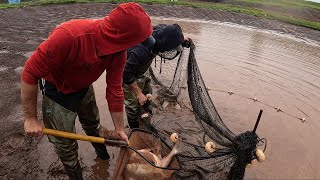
[(22, 30)]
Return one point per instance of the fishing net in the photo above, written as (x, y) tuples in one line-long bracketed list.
[(169, 55), (128, 158), (231, 152), (169, 83)]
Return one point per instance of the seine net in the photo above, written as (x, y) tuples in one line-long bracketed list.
[(169, 74), (232, 152)]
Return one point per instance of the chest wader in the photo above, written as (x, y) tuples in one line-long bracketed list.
[(132, 105), (59, 113)]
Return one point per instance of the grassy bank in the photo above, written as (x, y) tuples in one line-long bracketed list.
[(233, 7), (294, 4)]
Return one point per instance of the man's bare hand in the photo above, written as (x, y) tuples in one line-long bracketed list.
[(108, 134), (142, 99), (123, 136), (33, 127)]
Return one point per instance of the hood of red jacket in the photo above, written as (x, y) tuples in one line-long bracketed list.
[(124, 27)]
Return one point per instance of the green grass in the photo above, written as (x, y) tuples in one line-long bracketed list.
[(295, 4), (258, 13), (214, 6)]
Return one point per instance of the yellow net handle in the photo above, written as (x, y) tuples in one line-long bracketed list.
[(81, 137)]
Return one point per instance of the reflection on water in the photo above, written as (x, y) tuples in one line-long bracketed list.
[(278, 70)]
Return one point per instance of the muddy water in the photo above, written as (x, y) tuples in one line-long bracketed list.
[(280, 71), (277, 69)]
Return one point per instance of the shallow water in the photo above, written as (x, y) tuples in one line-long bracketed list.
[(277, 69)]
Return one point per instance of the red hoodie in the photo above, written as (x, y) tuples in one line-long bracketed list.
[(71, 59)]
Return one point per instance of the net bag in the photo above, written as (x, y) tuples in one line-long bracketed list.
[(128, 161)]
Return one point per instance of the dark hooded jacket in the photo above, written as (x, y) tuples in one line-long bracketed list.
[(167, 37)]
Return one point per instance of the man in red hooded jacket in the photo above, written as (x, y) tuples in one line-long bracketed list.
[(75, 54)]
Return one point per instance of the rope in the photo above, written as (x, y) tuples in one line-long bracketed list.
[(278, 109), (264, 141)]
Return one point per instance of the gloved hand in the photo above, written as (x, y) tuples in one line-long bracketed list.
[(186, 42)]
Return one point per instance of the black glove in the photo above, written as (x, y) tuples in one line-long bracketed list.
[(186, 44)]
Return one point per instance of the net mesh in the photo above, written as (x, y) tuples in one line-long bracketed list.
[(232, 153), (169, 82)]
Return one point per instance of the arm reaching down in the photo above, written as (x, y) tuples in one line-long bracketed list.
[(138, 57), (138, 93), (48, 57), (114, 93), (117, 118), (32, 125)]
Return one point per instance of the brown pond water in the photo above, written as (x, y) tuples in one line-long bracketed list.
[(279, 70)]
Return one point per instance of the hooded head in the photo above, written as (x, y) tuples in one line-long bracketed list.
[(168, 37), (125, 26)]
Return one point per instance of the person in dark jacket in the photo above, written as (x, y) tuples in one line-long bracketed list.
[(136, 80)]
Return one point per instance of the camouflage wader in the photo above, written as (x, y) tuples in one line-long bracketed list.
[(57, 116), (132, 105)]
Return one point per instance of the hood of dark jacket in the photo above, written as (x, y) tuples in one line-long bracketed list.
[(168, 37)]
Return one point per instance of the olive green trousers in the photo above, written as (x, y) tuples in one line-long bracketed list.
[(132, 105), (57, 117)]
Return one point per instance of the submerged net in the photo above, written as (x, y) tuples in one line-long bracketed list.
[(232, 153)]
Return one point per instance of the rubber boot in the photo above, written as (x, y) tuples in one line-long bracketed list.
[(76, 173), (101, 151)]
